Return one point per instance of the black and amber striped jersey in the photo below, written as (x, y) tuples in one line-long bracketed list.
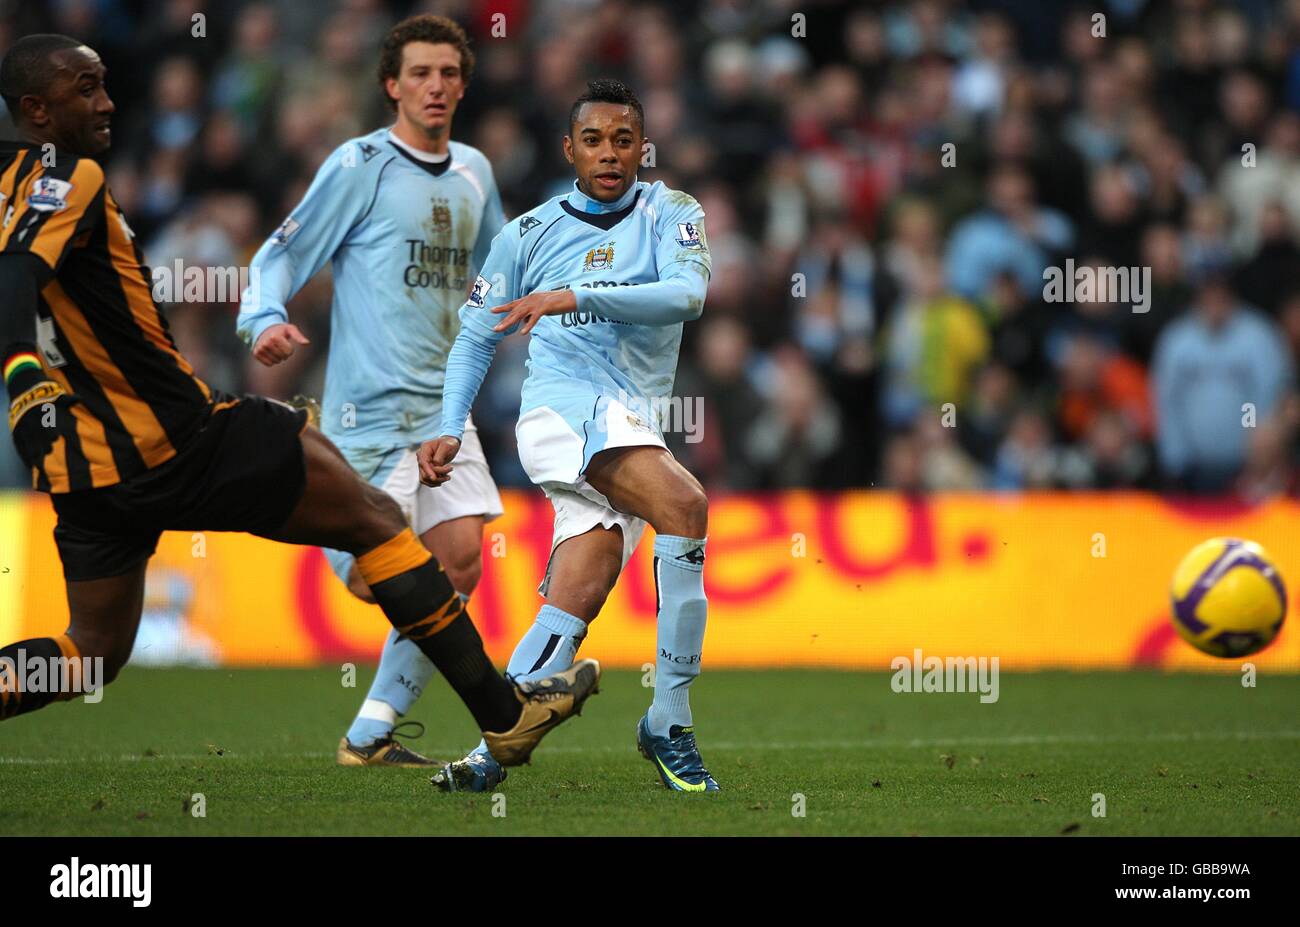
[(101, 335)]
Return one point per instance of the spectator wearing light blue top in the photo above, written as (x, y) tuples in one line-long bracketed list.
[(1220, 369), (1013, 234)]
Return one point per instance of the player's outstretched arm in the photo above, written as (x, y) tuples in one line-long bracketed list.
[(467, 364), (471, 354), (683, 263), (524, 313), (338, 198), (678, 296)]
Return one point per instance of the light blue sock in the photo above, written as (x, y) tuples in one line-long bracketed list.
[(403, 673), (547, 648), (683, 609)]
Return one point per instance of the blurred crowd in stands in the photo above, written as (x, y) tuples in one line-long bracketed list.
[(884, 184)]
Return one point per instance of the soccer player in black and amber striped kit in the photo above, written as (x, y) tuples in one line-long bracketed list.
[(128, 442)]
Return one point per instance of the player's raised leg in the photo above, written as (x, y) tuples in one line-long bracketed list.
[(340, 510), (105, 614), (404, 671), (580, 575), (648, 483)]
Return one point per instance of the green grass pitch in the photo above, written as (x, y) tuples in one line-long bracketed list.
[(1171, 753)]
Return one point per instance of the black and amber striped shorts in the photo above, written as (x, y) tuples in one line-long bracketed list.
[(243, 471)]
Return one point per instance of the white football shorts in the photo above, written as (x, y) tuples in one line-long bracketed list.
[(470, 491), (555, 452)]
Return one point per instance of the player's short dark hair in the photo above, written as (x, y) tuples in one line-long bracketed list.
[(435, 30), (27, 68), (608, 90)]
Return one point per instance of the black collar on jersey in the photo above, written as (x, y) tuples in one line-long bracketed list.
[(602, 220), (437, 169)]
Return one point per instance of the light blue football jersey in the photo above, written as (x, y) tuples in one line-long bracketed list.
[(405, 238), (639, 269)]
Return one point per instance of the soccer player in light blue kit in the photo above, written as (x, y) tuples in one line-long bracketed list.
[(406, 217), (602, 278)]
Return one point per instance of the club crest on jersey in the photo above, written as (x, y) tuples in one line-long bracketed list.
[(527, 224), (688, 235), (638, 424), (601, 258), (441, 216), (286, 231), (479, 293), (49, 194)]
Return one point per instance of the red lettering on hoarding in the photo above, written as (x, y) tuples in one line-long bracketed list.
[(917, 549), (485, 608), (1160, 637), (1155, 643), (538, 531), (636, 585), (532, 535), (975, 546), (318, 622), (770, 537), (1213, 509)]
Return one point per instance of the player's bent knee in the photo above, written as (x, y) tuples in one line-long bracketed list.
[(465, 573), (114, 660), (588, 594), (388, 513), (699, 506), (113, 650), (690, 508), (378, 519), (111, 669)]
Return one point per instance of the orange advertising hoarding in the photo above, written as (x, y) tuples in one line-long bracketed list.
[(794, 579)]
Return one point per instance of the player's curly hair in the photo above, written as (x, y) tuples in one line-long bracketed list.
[(425, 28), (608, 90)]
